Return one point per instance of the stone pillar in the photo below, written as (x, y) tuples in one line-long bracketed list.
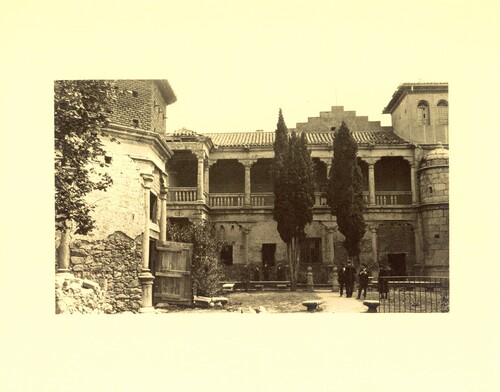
[(145, 276), (200, 180), (246, 240), (248, 166), (207, 177), (163, 214), (371, 180), (373, 230), (63, 251), (330, 249), (413, 184), (310, 281)]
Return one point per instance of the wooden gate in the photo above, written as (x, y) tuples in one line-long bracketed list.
[(172, 270)]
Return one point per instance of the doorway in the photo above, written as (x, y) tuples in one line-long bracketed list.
[(397, 262), (268, 260)]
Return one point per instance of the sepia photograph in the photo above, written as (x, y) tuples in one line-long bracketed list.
[(290, 220), (253, 196)]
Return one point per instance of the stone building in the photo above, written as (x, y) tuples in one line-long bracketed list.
[(116, 253), (225, 178)]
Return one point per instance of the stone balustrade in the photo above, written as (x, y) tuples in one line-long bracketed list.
[(266, 199), (184, 194)]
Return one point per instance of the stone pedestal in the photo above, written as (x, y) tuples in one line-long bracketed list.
[(146, 281), (310, 282)]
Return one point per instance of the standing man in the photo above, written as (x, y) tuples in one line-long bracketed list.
[(349, 277), (363, 281), (341, 279)]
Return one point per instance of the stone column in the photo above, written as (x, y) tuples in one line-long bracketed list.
[(63, 250), (330, 249), (163, 213), (373, 230), (207, 177), (200, 180), (246, 234), (248, 190), (247, 163), (413, 184), (145, 276), (371, 180)]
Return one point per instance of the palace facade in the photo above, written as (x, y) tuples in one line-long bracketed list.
[(225, 178)]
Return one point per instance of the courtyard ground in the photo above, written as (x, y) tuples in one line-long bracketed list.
[(281, 302)]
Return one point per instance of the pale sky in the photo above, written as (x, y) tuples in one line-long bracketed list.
[(233, 64)]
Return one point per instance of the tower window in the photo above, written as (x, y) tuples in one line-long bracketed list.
[(153, 207), (135, 94), (442, 111), (135, 123), (423, 113), (107, 159)]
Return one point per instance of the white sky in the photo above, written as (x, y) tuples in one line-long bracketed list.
[(233, 64)]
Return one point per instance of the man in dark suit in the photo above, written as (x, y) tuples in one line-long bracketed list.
[(362, 281), (341, 278), (349, 277)]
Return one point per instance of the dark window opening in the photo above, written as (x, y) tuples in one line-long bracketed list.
[(153, 206), (436, 235), (430, 189), (226, 255), (135, 122), (152, 255), (107, 159), (397, 262), (135, 94), (268, 255), (423, 113)]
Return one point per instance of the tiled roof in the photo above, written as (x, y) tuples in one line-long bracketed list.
[(262, 139)]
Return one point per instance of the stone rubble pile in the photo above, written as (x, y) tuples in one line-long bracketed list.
[(75, 295)]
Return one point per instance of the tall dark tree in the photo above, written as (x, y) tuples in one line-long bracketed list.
[(81, 109), (345, 191), (293, 180)]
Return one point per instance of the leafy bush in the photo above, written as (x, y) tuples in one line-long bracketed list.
[(206, 269)]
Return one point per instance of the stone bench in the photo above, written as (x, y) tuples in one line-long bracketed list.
[(312, 305), (372, 305)]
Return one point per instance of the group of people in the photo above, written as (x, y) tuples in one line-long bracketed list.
[(347, 277)]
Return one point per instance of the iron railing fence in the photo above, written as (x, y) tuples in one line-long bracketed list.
[(414, 294)]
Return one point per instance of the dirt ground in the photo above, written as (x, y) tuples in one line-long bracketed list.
[(279, 302)]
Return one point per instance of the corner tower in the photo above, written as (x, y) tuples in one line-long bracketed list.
[(433, 213), (419, 112)]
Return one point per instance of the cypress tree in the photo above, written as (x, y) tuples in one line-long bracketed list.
[(345, 191), (293, 179)]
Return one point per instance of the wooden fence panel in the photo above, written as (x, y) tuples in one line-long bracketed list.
[(173, 282)]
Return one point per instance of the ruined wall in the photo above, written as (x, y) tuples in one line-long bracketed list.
[(115, 263)]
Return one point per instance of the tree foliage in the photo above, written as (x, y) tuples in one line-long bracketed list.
[(81, 109), (293, 183), (345, 190), (206, 269)]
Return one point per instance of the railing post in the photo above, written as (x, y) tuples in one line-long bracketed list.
[(310, 282)]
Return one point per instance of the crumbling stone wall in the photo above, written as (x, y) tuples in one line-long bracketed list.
[(75, 295), (115, 263)]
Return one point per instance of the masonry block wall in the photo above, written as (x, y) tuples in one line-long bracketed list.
[(334, 118), (134, 103), (113, 249), (396, 238), (113, 262)]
